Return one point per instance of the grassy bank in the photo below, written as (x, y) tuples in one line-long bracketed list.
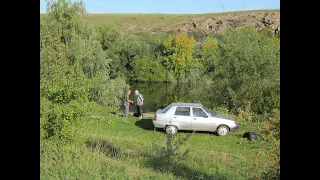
[(125, 148)]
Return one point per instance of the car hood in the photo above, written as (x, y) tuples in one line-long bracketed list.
[(222, 117)]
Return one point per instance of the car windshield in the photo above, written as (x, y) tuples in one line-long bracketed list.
[(208, 111)]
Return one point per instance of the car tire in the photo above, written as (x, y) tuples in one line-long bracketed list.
[(222, 130), (171, 130)]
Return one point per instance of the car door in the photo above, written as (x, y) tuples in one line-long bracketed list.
[(182, 118), (201, 121)]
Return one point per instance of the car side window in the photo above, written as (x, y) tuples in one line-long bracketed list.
[(182, 111), (198, 112)]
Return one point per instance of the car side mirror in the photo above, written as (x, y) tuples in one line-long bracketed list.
[(205, 116)]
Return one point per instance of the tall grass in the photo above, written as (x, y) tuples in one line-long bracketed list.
[(129, 148)]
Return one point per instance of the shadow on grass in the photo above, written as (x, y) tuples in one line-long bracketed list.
[(105, 147), (145, 124), (179, 170), (157, 163)]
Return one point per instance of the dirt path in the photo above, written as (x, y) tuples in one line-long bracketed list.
[(147, 115)]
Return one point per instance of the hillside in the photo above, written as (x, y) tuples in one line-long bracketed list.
[(192, 23)]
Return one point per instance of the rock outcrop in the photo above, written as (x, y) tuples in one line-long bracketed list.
[(218, 24)]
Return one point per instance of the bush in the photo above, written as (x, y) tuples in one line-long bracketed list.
[(210, 53), (169, 156), (267, 126), (195, 73), (147, 70), (61, 121), (108, 36), (246, 69)]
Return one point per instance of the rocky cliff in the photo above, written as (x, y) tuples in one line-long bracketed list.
[(219, 23)]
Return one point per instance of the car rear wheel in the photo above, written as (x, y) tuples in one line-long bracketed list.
[(171, 130), (222, 130)]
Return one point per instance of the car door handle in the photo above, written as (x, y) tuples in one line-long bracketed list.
[(194, 118), (174, 117)]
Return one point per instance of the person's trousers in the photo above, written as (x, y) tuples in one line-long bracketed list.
[(126, 110), (140, 110)]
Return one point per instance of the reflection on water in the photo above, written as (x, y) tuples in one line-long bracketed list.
[(159, 95)]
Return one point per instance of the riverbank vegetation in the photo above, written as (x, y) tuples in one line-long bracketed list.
[(85, 67)]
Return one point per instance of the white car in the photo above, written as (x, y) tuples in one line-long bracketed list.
[(192, 117)]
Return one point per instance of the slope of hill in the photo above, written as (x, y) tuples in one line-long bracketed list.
[(204, 23)]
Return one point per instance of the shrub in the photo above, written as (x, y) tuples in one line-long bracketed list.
[(169, 156), (146, 69), (246, 69)]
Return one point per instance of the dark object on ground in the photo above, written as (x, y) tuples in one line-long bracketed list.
[(136, 114), (250, 135)]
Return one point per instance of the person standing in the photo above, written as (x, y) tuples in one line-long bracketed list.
[(127, 102), (139, 99)]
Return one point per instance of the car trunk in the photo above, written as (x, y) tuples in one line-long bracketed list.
[(159, 111)]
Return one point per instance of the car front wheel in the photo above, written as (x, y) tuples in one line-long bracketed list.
[(222, 130), (171, 130)]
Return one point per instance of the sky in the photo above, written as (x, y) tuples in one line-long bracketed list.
[(172, 6)]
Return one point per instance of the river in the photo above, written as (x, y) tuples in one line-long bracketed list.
[(159, 95)]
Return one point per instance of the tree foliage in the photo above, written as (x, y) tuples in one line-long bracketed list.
[(108, 35), (209, 53), (179, 50), (147, 70), (247, 70), (74, 70), (111, 42)]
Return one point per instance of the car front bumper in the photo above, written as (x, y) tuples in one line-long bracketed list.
[(233, 129)]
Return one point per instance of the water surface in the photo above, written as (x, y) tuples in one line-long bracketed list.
[(159, 95)]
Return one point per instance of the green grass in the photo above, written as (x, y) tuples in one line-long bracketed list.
[(103, 155)]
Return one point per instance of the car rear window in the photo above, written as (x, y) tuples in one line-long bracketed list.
[(166, 109), (182, 111)]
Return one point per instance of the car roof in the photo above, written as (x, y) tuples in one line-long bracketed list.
[(186, 104)]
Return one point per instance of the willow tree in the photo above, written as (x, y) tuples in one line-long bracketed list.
[(247, 70), (74, 69)]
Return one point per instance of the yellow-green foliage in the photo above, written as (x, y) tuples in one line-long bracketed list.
[(179, 52)]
